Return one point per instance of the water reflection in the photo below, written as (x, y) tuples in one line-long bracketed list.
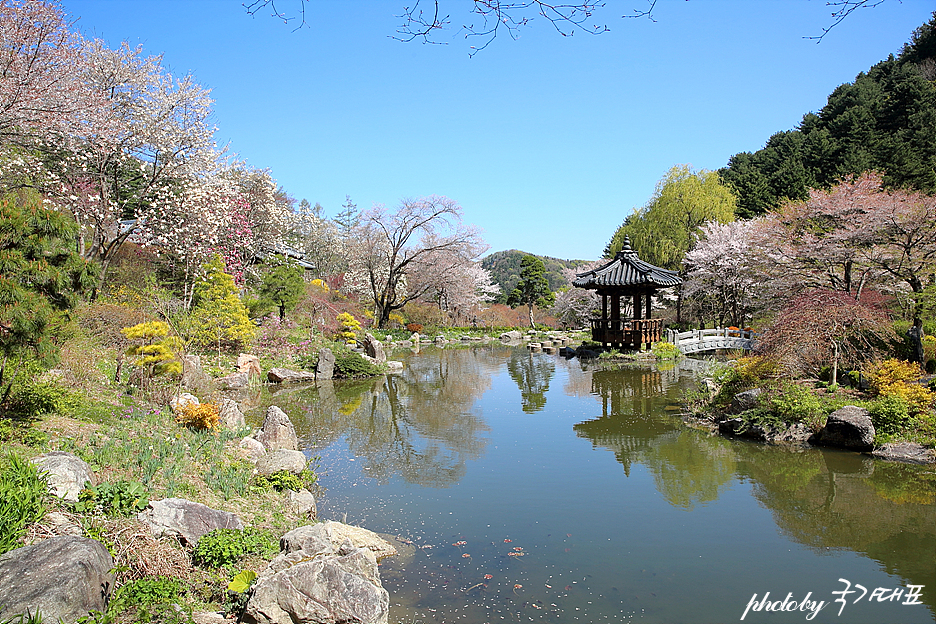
[(523, 472), (532, 373)]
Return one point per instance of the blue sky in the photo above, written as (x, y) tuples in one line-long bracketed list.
[(547, 142)]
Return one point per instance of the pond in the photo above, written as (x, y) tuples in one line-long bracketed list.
[(533, 488)]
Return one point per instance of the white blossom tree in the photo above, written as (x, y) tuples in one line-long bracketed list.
[(402, 255)]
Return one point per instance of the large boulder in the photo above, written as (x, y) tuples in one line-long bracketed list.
[(511, 336), (282, 459), (249, 364), (301, 503), (743, 401), (277, 431), (186, 520), (62, 578), (230, 415), (374, 349), (316, 582), (849, 427), (325, 368), (194, 376), (288, 375), (234, 381), (338, 533), (67, 473), (252, 448), (908, 452), (180, 401)]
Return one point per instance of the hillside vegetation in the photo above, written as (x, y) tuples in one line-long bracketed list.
[(504, 267), (884, 120)]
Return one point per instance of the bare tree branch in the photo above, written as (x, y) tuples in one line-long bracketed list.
[(844, 8), (255, 6)]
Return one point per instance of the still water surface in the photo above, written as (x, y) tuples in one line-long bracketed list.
[(535, 489)]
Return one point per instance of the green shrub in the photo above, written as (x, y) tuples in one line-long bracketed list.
[(149, 599), (665, 351), (22, 490), (350, 365), (33, 393), (121, 498), (889, 414), (285, 480), (795, 403), (225, 547)]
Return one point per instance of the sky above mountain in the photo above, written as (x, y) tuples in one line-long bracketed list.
[(547, 142)]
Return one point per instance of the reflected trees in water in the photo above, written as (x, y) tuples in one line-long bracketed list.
[(532, 373)]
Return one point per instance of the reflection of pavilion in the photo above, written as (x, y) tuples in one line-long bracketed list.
[(627, 425)]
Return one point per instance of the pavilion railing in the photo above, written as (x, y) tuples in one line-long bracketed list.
[(632, 332)]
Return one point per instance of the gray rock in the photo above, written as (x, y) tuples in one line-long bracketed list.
[(277, 431), (849, 427), (67, 473), (249, 364), (338, 533), (301, 503), (325, 369), (737, 427), (62, 524), (909, 452), (394, 366), (743, 401), (63, 578), (282, 459), (253, 448), (511, 336), (287, 375), (186, 520), (180, 401), (194, 376), (234, 381), (231, 416), (374, 349), (326, 589)]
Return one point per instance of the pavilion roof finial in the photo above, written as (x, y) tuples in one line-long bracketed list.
[(626, 248)]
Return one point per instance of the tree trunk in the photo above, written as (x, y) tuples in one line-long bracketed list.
[(532, 324)]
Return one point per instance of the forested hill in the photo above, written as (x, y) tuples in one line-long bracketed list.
[(884, 120), (504, 267)]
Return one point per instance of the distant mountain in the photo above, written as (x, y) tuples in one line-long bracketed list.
[(504, 267)]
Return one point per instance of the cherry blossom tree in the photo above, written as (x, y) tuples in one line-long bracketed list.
[(43, 90), (723, 271), (396, 251), (575, 306)]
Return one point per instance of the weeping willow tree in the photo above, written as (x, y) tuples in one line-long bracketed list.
[(665, 229)]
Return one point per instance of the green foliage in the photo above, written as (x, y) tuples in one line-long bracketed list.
[(890, 414), (239, 592), (882, 121), (120, 498), (350, 365), (157, 351), (665, 351), (219, 317), (242, 581), (24, 618), (41, 276), (743, 374), (282, 287), (225, 547), (285, 480), (32, 393), (504, 267), (22, 490), (663, 231), (796, 403), (149, 599), (533, 287)]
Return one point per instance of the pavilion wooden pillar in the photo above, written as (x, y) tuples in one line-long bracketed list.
[(637, 307)]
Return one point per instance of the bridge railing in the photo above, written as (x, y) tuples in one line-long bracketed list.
[(697, 336)]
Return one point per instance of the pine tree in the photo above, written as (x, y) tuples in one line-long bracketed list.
[(41, 278), (220, 317), (533, 287)]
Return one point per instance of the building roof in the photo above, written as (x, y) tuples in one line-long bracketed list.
[(627, 271)]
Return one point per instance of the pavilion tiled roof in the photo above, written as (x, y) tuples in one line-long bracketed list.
[(627, 270)]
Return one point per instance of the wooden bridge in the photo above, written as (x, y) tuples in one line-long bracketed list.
[(699, 340)]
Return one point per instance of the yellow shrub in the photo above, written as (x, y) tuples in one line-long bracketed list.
[(895, 377), (349, 327), (200, 416), (321, 285)]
